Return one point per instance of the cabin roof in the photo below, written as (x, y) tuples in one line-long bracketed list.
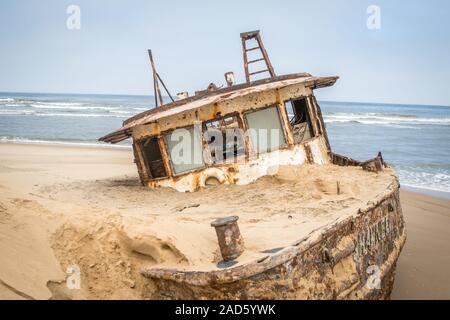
[(206, 98)]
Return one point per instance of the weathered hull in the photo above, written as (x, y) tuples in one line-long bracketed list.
[(352, 258)]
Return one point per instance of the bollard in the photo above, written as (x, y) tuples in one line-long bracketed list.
[(230, 240)]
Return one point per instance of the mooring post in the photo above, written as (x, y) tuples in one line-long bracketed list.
[(230, 240)]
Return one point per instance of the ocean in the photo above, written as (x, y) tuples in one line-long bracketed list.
[(413, 138)]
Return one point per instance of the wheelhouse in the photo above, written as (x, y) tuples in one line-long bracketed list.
[(231, 135)]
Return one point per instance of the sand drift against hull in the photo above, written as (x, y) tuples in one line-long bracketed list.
[(118, 241)]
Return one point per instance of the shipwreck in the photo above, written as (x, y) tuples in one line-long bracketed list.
[(238, 133)]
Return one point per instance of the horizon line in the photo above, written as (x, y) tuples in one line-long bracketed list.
[(150, 95)]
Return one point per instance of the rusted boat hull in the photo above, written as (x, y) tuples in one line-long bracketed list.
[(354, 258)]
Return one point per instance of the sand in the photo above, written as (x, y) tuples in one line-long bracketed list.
[(63, 206), (423, 270)]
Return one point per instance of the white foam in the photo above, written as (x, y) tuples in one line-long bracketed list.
[(68, 107), (439, 181), (13, 105), (43, 114), (121, 112), (16, 112), (383, 119), (19, 140), (59, 104), (77, 115)]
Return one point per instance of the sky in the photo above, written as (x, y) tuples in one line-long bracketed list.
[(406, 60)]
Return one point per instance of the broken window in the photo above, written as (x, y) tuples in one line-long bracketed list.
[(224, 138), (153, 158), (265, 129), (185, 149), (299, 119)]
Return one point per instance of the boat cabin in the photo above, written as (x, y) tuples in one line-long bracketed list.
[(230, 135)]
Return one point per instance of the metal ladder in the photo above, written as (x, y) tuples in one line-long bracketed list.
[(249, 36)]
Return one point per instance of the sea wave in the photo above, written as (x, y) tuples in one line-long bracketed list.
[(435, 181), (93, 144), (6, 100), (44, 114), (58, 104), (374, 114), (47, 107), (13, 105), (121, 111), (67, 106), (80, 115), (17, 112), (383, 119)]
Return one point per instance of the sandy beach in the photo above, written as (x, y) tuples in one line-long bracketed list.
[(62, 205), (422, 269)]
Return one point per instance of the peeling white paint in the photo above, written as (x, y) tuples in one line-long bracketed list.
[(317, 152)]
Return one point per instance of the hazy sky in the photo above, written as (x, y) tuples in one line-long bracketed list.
[(195, 42)]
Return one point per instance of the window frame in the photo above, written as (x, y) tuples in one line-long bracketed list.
[(163, 136), (139, 143), (309, 109), (241, 126), (253, 148)]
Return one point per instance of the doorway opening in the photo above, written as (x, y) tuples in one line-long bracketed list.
[(153, 157), (299, 119)]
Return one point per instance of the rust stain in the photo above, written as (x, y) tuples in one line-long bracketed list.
[(308, 153)]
